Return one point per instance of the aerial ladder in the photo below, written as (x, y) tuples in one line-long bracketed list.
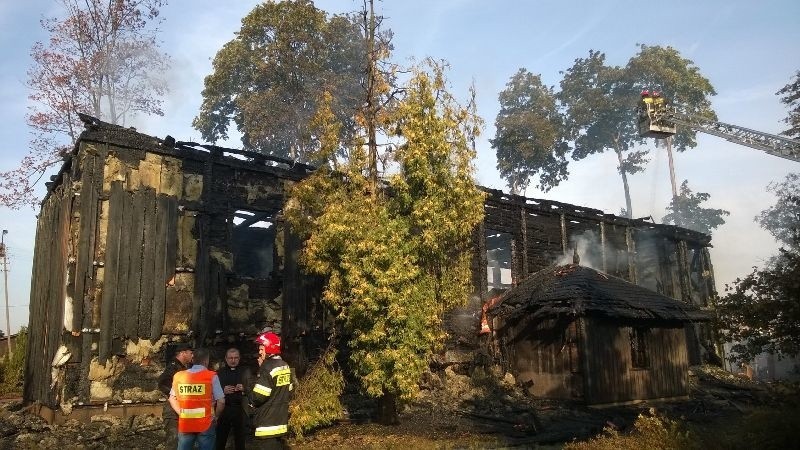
[(657, 119)]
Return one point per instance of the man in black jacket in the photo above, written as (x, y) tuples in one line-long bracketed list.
[(235, 381), (270, 394), (181, 361)]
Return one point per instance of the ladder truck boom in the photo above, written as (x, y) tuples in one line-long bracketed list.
[(656, 119)]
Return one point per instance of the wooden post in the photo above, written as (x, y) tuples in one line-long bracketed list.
[(5, 283)]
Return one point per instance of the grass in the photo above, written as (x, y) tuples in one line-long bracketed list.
[(12, 369)]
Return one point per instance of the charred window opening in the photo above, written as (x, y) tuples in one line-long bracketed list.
[(498, 259), (639, 352), (253, 243)]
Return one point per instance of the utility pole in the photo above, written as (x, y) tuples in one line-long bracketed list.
[(5, 284)]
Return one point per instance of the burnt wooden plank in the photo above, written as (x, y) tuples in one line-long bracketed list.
[(148, 262), (134, 280), (203, 275), (115, 216), (123, 270), (160, 268), (55, 312), (87, 222), (34, 376)]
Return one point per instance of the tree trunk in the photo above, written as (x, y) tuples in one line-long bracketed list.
[(628, 207), (387, 413)]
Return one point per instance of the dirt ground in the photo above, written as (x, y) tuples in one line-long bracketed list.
[(483, 410)]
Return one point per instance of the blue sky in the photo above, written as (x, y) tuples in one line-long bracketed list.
[(749, 50)]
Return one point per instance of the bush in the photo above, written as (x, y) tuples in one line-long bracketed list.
[(316, 400), (650, 432), (12, 370)]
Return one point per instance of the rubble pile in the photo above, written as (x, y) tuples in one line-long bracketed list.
[(19, 429)]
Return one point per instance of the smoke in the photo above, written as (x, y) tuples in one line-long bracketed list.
[(589, 247)]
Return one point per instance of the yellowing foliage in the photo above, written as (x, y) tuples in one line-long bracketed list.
[(394, 261)]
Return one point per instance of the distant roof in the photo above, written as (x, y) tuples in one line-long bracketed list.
[(581, 291)]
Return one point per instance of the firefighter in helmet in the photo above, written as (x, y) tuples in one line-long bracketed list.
[(271, 393)]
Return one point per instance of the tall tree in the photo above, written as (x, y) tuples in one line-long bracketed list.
[(395, 259), (102, 58), (600, 115), (791, 98), (761, 311), (685, 211), (530, 134), (600, 102), (268, 79)]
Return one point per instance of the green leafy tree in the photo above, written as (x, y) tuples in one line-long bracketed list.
[(791, 98), (600, 115), (600, 103), (530, 134), (678, 80), (101, 58), (761, 312), (269, 78), (395, 258), (782, 220), (685, 211)]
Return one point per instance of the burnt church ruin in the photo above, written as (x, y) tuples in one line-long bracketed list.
[(145, 242)]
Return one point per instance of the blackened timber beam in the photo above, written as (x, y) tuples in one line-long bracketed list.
[(135, 264), (150, 243), (116, 207)]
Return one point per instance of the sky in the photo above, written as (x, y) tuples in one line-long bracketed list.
[(748, 50)]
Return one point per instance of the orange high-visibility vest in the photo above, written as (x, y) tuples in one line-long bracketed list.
[(195, 397)]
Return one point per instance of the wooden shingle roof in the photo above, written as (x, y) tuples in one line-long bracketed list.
[(575, 290)]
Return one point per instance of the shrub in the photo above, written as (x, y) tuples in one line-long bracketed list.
[(650, 432), (12, 369), (316, 400)]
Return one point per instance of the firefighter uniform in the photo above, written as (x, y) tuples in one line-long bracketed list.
[(270, 398)]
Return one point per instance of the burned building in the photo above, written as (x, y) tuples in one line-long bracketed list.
[(520, 236), (145, 242), (142, 243), (576, 333)]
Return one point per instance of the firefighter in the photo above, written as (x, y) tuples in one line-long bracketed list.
[(271, 393), (181, 361), (197, 398)]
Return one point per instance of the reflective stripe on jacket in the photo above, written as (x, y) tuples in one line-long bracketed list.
[(270, 397), (194, 392)]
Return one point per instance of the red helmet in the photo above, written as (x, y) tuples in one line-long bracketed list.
[(270, 341)]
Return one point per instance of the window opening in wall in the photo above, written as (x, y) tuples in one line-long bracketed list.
[(639, 353), (498, 259), (253, 243)]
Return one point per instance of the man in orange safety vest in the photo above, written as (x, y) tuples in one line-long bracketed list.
[(197, 398)]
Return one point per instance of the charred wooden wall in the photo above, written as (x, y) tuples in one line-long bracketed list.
[(134, 252), (667, 259), (545, 357), (610, 374)]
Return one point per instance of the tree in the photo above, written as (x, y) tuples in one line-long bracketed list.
[(102, 58), (530, 134), (782, 220), (397, 258), (791, 98), (268, 79), (761, 312), (685, 211), (600, 115), (600, 103)]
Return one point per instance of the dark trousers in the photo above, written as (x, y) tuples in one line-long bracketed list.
[(276, 443), (233, 420), (171, 430)]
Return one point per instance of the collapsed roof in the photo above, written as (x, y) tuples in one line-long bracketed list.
[(575, 290)]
